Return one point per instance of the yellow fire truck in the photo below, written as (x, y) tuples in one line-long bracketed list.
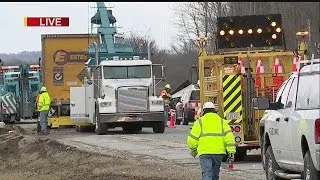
[(231, 77)]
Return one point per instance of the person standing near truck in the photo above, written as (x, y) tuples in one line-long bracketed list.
[(210, 138), (43, 106), (165, 94)]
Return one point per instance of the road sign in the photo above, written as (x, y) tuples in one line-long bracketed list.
[(82, 74), (58, 76)]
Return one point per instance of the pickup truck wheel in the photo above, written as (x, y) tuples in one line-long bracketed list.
[(263, 157), (309, 172), (271, 165), (185, 121), (159, 127)]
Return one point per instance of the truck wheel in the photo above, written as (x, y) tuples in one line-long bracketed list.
[(178, 121), (309, 172), (185, 121), (263, 156), (12, 119), (38, 126), (271, 165), (159, 127), (101, 128), (240, 154)]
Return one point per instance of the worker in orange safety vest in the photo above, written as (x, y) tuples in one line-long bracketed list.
[(165, 94)]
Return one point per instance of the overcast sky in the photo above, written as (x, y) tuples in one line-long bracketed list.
[(152, 17)]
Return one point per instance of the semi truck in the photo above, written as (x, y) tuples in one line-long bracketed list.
[(63, 63), (119, 94), (250, 61), (119, 89)]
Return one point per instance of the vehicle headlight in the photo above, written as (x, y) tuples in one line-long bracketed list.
[(157, 102), (105, 104)]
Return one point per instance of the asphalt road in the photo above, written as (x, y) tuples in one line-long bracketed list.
[(169, 146)]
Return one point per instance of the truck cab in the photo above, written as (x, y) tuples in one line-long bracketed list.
[(290, 140), (119, 93)]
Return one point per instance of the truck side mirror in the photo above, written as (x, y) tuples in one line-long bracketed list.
[(158, 73), (261, 103), (163, 75)]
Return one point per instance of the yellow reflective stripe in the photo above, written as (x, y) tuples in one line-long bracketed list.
[(225, 133), (212, 134), (200, 123), (230, 145), (193, 137), (222, 125)]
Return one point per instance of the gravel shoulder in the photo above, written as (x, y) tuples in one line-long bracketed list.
[(26, 155)]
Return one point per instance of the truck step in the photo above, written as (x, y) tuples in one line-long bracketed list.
[(282, 174)]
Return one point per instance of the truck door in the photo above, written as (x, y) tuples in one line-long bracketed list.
[(282, 131), (78, 111)]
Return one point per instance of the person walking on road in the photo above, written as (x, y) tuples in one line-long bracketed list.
[(210, 138), (44, 103), (165, 94)]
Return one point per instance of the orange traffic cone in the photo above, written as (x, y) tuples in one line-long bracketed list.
[(172, 123)]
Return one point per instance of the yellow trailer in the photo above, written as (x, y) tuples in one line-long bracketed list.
[(222, 83), (64, 57)]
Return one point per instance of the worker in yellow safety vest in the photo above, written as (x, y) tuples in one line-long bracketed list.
[(210, 138), (165, 94), (43, 106)]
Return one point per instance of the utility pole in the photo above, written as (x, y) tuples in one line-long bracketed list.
[(309, 29), (206, 18)]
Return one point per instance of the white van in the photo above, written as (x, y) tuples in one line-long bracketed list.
[(290, 127)]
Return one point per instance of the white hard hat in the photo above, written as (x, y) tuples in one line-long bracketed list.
[(208, 105)]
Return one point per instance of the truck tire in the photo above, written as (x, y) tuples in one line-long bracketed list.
[(159, 127), (271, 165), (100, 128), (263, 157), (185, 121), (12, 119), (240, 154), (309, 172), (178, 121)]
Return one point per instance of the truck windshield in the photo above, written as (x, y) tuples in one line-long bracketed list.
[(126, 72), (195, 95)]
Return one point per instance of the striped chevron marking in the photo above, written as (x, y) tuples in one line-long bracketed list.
[(10, 103), (232, 98)]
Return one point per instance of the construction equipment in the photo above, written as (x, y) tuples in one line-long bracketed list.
[(119, 89), (250, 61), (20, 86)]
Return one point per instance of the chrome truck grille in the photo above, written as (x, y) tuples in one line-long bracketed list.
[(132, 99)]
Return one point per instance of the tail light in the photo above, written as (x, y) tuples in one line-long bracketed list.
[(317, 131)]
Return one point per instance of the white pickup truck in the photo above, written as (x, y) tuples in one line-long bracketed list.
[(290, 127)]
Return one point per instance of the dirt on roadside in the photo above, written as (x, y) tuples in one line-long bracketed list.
[(25, 156)]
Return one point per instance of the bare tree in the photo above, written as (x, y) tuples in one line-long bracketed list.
[(195, 19)]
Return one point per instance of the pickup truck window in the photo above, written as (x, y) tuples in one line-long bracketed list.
[(281, 90), (303, 96), (285, 92), (292, 93), (315, 94)]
